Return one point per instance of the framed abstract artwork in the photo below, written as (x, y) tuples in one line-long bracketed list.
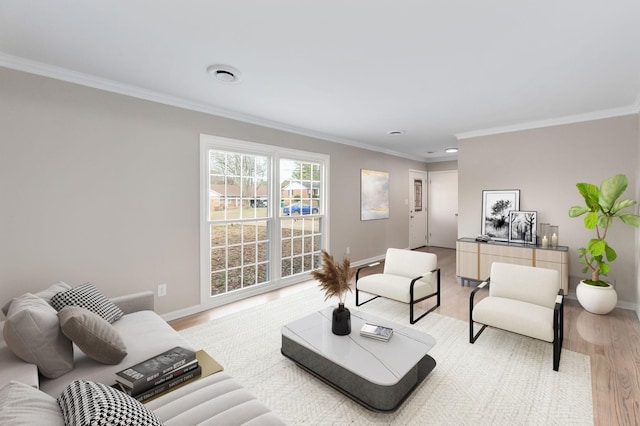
[(374, 195), (496, 205)]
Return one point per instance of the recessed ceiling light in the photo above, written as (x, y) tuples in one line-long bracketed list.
[(224, 73), (395, 132), (451, 150)]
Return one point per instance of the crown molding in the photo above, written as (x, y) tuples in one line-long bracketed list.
[(596, 115), (64, 74)]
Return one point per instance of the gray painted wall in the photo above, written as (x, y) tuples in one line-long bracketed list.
[(442, 166), (102, 187), (545, 164), (637, 251)]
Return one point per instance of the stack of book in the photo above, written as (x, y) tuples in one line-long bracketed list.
[(377, 332), (159, 373)]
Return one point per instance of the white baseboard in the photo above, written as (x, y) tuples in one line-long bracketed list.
[(225, 299)]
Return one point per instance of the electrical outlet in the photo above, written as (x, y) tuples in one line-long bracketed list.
[(162, 290), (348, 250)]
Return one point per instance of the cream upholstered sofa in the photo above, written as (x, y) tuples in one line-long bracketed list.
[(31, 329), (409, 277), (522, 299)]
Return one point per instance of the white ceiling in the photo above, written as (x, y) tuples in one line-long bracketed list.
[(349, 70)]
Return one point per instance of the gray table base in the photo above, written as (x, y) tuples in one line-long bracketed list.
[(374, 397)]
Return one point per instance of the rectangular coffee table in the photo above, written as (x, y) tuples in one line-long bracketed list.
[(379, 375)]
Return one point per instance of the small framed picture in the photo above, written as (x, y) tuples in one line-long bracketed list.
[(496, 205), (522, 227)]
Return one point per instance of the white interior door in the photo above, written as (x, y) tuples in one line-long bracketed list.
[(417, 209), (443, 208)]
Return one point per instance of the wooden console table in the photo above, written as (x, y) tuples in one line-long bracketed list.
[(474, 258)]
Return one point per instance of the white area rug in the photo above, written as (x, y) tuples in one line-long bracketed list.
[(502, 379)]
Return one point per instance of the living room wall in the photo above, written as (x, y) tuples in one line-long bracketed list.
[(637, 251), (545, 164), (102, 187)]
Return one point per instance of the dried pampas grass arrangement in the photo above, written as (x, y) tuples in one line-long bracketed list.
[(334, 277)]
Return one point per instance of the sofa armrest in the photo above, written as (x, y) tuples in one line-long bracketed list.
[(13, 368), (129, 303)]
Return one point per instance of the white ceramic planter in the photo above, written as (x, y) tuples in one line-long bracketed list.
[(597, 300)]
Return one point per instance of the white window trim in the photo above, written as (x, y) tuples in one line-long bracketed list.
[(275, 153)]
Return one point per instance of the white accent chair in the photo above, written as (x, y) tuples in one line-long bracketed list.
[(522, 299), (409, 277)]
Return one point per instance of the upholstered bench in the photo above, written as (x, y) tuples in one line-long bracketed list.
[(522, 299)]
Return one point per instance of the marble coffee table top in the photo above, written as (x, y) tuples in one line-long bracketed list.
[(379, 362)]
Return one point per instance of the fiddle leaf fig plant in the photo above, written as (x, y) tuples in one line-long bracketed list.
[(602, 206)]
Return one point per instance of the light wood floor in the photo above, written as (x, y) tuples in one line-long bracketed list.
[(612, 341)]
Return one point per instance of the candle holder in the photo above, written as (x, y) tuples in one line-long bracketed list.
[(555, 235), (544, 235)]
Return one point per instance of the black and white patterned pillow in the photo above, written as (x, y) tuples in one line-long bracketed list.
[(89, 297), (85, 403)]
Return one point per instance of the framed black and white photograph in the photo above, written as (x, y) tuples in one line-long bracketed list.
[(522, 227), (496, 205)]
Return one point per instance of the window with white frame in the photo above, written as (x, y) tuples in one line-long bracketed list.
[(300, 220), (263, 216)]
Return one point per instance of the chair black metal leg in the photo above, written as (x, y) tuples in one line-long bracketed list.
[(558, 337), (413, 302), (438, 288), (558, 332), (472, 337), (411, 320), (366, 301)]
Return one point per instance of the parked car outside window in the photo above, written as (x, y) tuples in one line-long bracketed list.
[(299, 209)]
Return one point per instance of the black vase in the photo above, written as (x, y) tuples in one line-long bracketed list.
[(341, 322)]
